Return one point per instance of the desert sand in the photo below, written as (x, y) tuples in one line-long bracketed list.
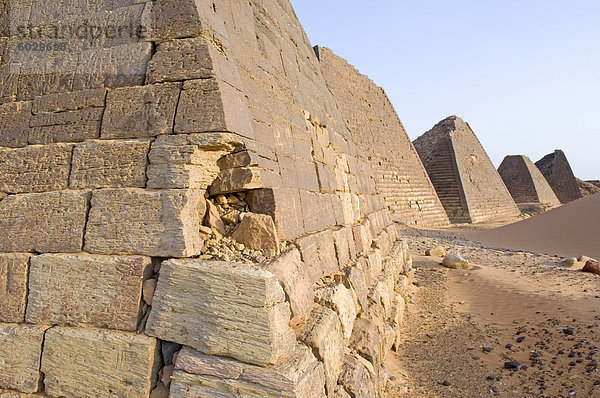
[(464, 328), (571, 230)]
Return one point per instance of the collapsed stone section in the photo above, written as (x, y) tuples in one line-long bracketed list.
[(525, 182), (380, 136), (557, 170), (465, 179)]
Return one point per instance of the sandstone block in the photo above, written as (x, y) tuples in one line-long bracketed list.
[(14, 119), (455, 261), (183, 59), (383, 243), (20, 353), (61, 102), (436, 251), (15, 394), (396, 319), (356, 379), (366, 341), (43, 222), (109, 164), (250, 325), (318, 252), (140, 111), (14, 269), (98, 363), (297, 283), (374, 264), (336, 297), (210, 105), (299, 375), (173, 19), (236, 180), (257, 231), (35, 168), (281, 204), (362, 237), (323, 332), (188, 160), (67, 126), (154, 223), (79, 290), (342, 238), (359, 286)]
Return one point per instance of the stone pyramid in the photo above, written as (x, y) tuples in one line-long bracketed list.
[(525, 182), (557, 170), (465, 179), (134, 159)]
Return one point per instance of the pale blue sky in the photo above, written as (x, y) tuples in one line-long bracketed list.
[(524, 74)]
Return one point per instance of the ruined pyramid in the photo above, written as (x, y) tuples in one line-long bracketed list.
[(557, 170), (465, 179), (525, 182)]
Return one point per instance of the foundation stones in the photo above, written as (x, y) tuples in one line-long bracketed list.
[(257, 231), (251, 326)]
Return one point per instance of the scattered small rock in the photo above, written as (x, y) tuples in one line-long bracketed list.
[(568, 331), (436, 251), (512, 365), (592, 266), (446, 383), (569, 261)]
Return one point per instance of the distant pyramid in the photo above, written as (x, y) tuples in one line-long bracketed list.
[(470, 188), (525, 181), (555, 167)]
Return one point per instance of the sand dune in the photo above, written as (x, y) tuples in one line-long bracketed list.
[(569, 231)]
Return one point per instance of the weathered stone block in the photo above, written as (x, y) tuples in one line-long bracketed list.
[(73, 101), (356, 378), (14, 269), (91, 363), (323, 332), (250, 325), (210, 105), (109, 164), (283, 205), (35, 168), (15, 394), (236, 180), (184, 59), (173, 19), (339, 299), (14, 119), (188, 160), (396, 319), (299, 375), (297, 283), (358, 281), (342, 238), (362, 237), (366, 340), (375, 263), (20, 353), (153, 223), (49, 222), (67, 126), (140, 111), (318, 252), (102, 291), (257, 232)]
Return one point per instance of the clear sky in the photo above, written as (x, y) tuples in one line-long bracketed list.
[(525, 74)]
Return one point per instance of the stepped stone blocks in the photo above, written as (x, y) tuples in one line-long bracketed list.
[(109, 154), (557, 170), (465, 179), (525, 182), (380, 135)]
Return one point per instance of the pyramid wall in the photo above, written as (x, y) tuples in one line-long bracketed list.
[(556, 169), (457, 163), (380, 135), (525, 182), (117, 159)]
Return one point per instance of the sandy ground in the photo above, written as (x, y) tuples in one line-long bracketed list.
[(463, 328), (571, 230)]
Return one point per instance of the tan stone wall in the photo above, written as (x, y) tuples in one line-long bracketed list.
[(378, 132), (107, 177)]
